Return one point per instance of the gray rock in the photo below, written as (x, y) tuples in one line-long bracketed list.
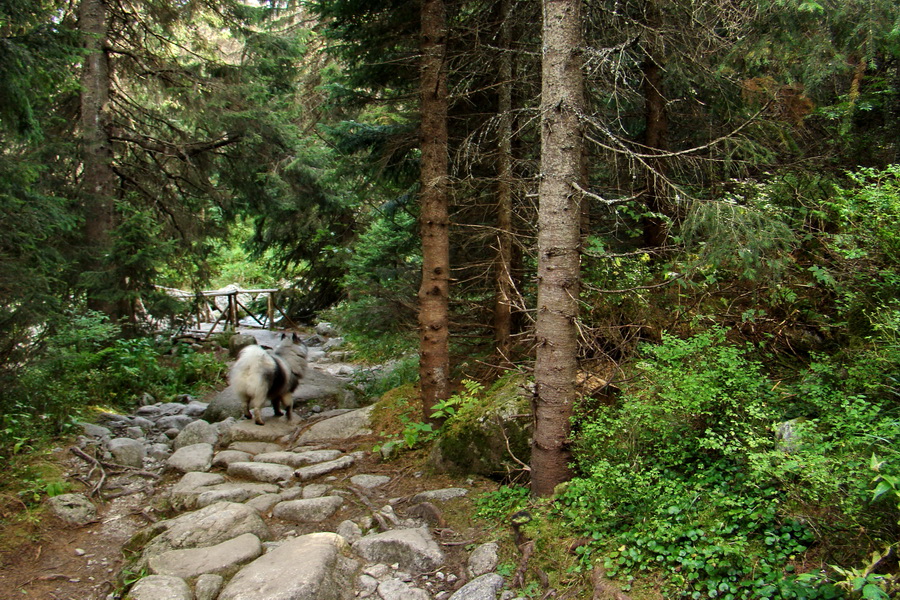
[(296, 459), (226, 457), (254, 447), (350, 424), (484, 559), (485, 587), (266, 472), (350, 531), (238, 342), (264, 503), (441, 495), (413, 549), (97, 431), (198, 432), (224, 428), (303, 568), (74, 509), (366, 585), (369, 481), (233, 492), (195, 408), (311, 510), (395, 589), (292, 493), (160, 587), (225, 404), (208, 526), (159, 451), (208, 587), (178, 422), (196, 457), (311, 457), (220, 559), (325, 329), (151, 411), (272, 431), (316, 490), (390, 450), (126, 451), (184, 493), (333, 343), (135, 433), (145, 424), (317, 470), (170, 409)]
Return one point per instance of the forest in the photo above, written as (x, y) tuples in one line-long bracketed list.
[(677, 220)]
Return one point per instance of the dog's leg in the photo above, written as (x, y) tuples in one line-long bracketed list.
[(276, 405), (257, 410), (246, 401), (288, 401)]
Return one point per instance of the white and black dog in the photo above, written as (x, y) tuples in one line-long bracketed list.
[(259, 374)]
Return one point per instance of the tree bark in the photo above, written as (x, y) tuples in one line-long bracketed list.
[(655, 133), (505, 291), (98, 178), (434, 352), (559, 261)]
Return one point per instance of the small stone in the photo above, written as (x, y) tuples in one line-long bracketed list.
[(267, 472), (127, 451), (369, 481), (196, 457), (312, 510), (208, 587), (226, 457), (441, 495), (74, 509), (79, 552), (316, 490), (350, 531)]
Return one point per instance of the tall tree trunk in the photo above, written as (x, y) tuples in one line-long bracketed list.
[(434, 352), (655, 133), (505, 291), (98, 179), (559, 223)]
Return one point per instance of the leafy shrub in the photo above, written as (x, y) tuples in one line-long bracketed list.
[(84, 363), (667, 480)]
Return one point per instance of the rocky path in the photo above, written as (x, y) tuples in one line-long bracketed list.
[(289, 510)]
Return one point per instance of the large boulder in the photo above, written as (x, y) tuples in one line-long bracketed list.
[(414, 550), (303, 568), (315, 385), (346, 425), (208, 526), (221, 559), (238, 342), (482, 434)]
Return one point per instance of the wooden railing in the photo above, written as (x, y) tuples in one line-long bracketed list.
[(204, 308)]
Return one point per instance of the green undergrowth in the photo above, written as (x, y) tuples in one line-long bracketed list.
[(85, 366), (693, 478)]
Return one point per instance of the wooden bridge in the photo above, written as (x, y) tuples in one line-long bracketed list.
[(207, 312)]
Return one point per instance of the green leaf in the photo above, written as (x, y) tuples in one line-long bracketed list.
[(873, 592)]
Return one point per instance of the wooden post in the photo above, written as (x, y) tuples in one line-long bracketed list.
[(270, 311), (232, 310)]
